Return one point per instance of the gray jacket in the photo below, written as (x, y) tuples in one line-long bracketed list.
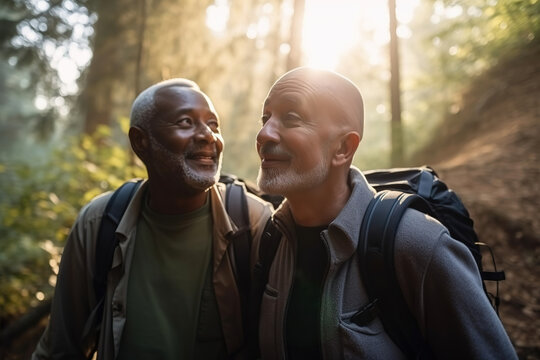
[(70, 334), (437, 274)]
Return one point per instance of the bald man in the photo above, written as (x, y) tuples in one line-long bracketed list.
[(171, 290), (312, 124)]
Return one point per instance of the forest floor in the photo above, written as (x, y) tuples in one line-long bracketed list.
[(493, 162)]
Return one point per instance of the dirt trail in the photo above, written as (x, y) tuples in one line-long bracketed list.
[(490, 155)]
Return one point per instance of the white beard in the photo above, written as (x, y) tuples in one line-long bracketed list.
[(281, 182), (179, 168)]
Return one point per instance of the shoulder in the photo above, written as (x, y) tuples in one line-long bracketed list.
[(94, 209), (424, 244), (421, 233), (257, 204), (419, 229), (417, 239)]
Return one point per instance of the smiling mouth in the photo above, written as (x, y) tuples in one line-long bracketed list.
[(204, 159), (267, 162)]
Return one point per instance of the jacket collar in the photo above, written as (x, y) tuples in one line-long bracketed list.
[(128, 223), (343, 231), (224, 228)]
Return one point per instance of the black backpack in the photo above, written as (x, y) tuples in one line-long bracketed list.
[(398, 189)]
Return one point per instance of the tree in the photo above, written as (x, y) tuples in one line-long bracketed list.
[(116, 54), (395, 91), (295, 55), (33, 37)]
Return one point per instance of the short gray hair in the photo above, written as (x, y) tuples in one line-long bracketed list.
[(144, 109)]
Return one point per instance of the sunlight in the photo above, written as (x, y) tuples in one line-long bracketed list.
[(331, 28), (217, 16), (328, 30)]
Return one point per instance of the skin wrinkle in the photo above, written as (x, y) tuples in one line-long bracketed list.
[(318, 87), (185, 126), (305, 113), (177, 164)]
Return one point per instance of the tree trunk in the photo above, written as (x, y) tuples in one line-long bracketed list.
[(295, 55), (395, 95), (114, 55), (140, 47)]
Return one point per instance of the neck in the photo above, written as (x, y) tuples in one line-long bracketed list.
[(166, 200), (320, 205)]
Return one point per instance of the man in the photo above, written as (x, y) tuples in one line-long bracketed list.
[(171, 291), (312, 124)]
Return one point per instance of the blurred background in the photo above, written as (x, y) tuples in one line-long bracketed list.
[(450, 83)]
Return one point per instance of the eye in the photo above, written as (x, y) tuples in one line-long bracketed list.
[(292, 119), (184, 122), (213, 124), (264, 118)]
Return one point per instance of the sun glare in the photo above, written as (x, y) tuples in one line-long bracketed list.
[(331, 28)]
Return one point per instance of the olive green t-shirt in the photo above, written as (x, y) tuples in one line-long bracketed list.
[(170, 269)]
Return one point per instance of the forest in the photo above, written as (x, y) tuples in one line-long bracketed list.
[(450, 83)]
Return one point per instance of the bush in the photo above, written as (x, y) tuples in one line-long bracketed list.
[(39, 204)]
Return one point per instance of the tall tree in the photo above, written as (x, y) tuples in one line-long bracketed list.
[(113, 62), (31, 34), (395, 94), (295, 42)]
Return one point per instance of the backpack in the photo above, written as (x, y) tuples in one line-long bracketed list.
[(397, 190), (236, 207)]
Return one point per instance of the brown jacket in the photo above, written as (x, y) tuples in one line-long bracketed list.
[(70, 333)]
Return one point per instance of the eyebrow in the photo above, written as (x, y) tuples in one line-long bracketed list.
[(186, 110), (173, 115)]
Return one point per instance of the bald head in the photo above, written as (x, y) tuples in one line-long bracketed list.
[(331, 91), (144, 108)]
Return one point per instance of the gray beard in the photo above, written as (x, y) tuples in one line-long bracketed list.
[(280, 182), (178, 168)]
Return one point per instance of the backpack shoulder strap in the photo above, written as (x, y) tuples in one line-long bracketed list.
[(106, 240), (268, 246), (376, 251), (237, 208)]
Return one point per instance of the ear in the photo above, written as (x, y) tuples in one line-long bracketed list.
[(348, 144), (139, 142)]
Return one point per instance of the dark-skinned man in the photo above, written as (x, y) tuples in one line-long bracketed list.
[(171, 291)]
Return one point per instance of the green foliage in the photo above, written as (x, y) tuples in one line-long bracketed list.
[(35, 36), (453, 42), (483, 33), (39, 205), (134, 46)]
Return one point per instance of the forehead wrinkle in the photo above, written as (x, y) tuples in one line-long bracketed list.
[(294, 91), (329, 92), (318, 94)]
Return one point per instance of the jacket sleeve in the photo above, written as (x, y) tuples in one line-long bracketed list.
[(73, 299), (449, 302)]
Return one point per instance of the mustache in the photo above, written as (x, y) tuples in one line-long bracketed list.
[(196, 150), (270, 149)]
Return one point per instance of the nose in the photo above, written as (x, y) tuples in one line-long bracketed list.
[(269, 132), (205, 133)]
